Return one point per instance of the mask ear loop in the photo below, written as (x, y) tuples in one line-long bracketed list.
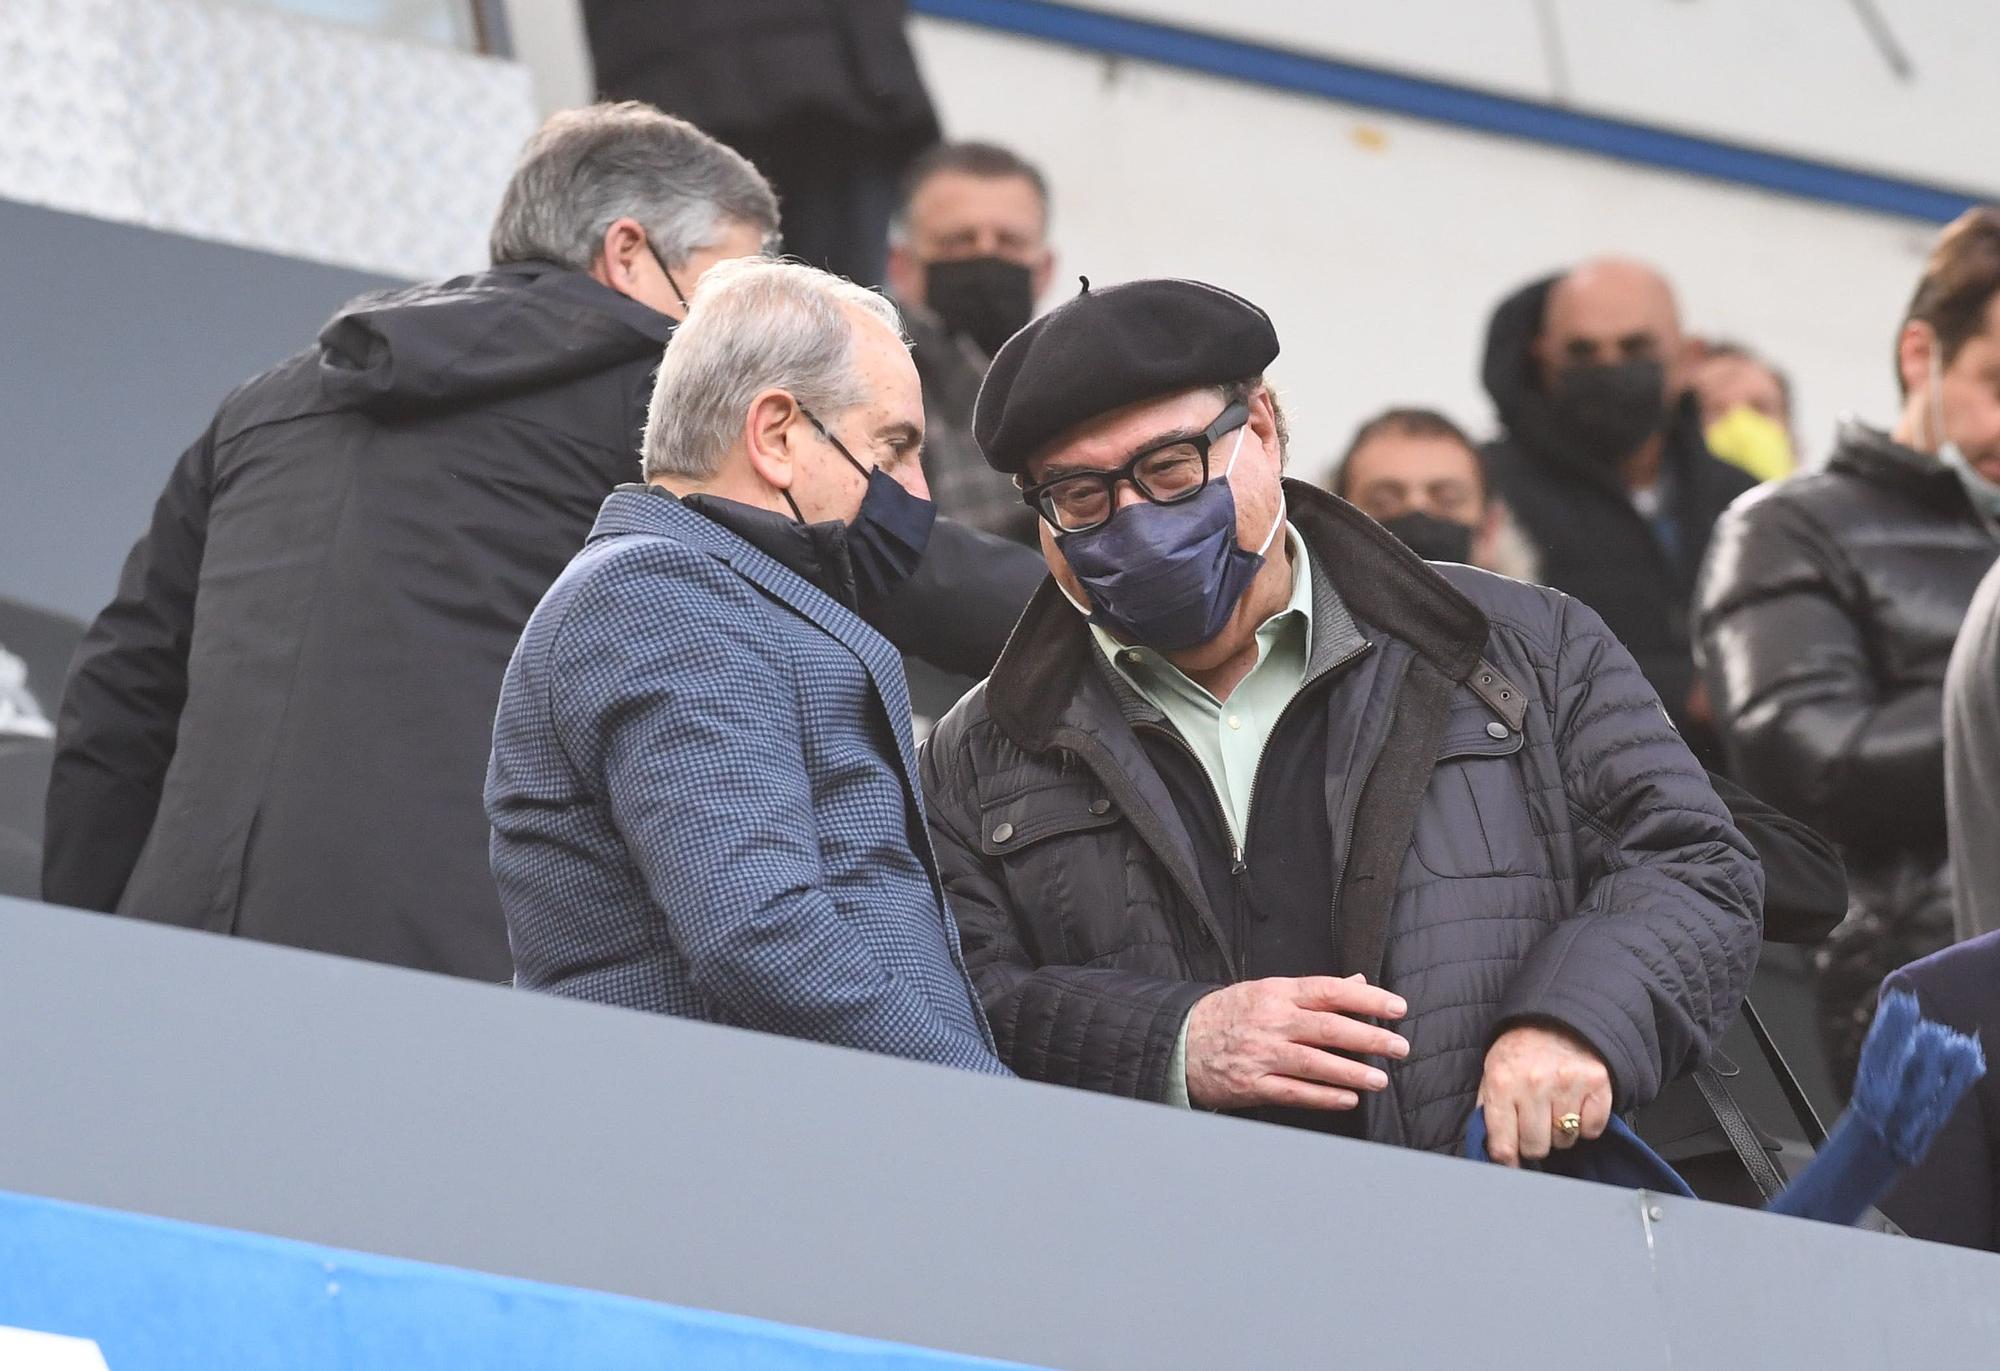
[(1276, 523), (1937, 394)]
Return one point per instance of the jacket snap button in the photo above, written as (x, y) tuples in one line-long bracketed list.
[(1100, 806), (1496, 730), (1003, 833)]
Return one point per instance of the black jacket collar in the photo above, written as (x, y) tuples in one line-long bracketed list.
[(1873, 455), (815, 552), (1045, 676)]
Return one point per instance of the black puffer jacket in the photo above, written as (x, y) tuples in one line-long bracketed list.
[(1576, 867), (1593, 541), (1827, 615)]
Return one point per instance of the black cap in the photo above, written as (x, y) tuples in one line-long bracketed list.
[(1113, 347)]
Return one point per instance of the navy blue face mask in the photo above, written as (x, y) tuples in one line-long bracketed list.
[(887, 536), (1168, 576)]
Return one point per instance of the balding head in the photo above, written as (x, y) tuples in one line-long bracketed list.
[(1612, 310)]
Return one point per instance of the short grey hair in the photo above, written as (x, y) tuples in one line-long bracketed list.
[(754, 325), (585, 169)]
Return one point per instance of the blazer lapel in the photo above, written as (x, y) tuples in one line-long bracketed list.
[(647, 512)]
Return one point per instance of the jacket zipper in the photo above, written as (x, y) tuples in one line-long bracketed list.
[(1257, 776), (1237, 866), (1347, 848)]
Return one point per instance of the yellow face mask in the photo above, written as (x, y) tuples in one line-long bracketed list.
[(1759, 445)]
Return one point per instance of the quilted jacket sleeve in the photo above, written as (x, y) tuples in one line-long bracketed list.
[(1652, 965), (1090, 1027), (121, 710), (1806, 723), (695, 735)]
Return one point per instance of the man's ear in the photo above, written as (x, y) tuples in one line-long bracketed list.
[(1264, 423), (617, 252), (905, 274), (1689, 356), (1913, 355), (768, 431), (1043, 272)]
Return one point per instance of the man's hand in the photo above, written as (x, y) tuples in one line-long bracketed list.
[(1534, 1076), (1265, 1042)]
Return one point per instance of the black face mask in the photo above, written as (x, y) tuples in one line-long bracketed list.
[(1432, 538), (887, 536), (986, 299), (1606, 410)]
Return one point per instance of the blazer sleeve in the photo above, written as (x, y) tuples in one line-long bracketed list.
[(1951, 1195), (1806, 723), (121, 709), (1118, 1032), (1653, 963), (692, 725), (1805, 881)]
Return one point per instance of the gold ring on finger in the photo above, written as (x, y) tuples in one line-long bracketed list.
[(1570, 1125)]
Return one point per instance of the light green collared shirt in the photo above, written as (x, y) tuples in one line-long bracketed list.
[(1227, 736)]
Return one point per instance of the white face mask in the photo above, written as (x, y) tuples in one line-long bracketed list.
[(1983, 492)]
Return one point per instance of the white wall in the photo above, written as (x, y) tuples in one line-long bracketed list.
[(1381, 244), (1798, 76)]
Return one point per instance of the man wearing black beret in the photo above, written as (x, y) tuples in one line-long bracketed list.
[(1259, 812)]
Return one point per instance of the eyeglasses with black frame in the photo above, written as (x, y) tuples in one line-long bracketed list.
[(1165, 475)]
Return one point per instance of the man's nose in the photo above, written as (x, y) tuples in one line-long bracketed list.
[(1127, 493), (910, 476)]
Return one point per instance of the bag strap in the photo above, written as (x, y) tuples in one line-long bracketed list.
[(1795, 1095), (1736, 1128)]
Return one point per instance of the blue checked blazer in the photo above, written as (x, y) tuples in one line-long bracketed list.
[(704, 800)]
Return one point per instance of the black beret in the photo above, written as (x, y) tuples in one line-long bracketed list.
[(1113, 347)]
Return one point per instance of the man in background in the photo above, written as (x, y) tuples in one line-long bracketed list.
[(1602, 460), (1417, 474), (968, 258), (1828, 612), (1746, 410)]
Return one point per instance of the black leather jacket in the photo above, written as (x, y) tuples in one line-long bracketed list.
[(1826, 615)]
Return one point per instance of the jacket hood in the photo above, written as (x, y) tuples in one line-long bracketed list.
[(1508, 367), (512, 329), (1508, 373)]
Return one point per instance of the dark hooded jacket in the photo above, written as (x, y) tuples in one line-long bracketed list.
[(1594, 543), (1827, 615), (280, 726)]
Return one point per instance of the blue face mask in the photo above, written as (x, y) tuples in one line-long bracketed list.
[(1981, 490), (1168, 576)]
